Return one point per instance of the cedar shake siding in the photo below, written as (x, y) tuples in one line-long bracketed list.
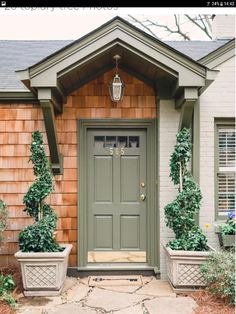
[(18, 121)]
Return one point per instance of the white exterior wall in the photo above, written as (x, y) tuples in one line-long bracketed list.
[(223, 26), (168, 127), (218, 101)]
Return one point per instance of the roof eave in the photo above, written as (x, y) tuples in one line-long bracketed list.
[(20, 96), (219, 55)]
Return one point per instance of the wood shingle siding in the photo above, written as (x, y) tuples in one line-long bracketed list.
[(17, 122)]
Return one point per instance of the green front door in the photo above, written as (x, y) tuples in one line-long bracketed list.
[(116, 195)]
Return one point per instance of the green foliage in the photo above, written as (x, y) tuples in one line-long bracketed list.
[(180, 214), (6, 285), (219, 272), (43, 184), (181, 156), (192, 240), (39, 236), (3, 219), (228, 228)]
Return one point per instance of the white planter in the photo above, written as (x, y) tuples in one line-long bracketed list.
[(183, 267), (43, 274)]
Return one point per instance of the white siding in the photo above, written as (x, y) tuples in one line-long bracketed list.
[(217, 101), (223, 26), (168, 127)]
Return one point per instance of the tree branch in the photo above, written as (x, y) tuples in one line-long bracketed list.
[(201, 21), (184, 35), (203, 28), (143, 25)]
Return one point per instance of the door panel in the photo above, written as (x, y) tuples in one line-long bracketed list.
[(103, 232), (116, 175), (130, 231), (103, 174), (129, 183)]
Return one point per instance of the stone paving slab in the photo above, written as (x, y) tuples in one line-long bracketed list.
[(157, 288), (30, 311), (111, 300), (147, 279), (154, 297), (180, 305), (69, 283), (70, 309), (30, 303), (77, 293), (131, 310)]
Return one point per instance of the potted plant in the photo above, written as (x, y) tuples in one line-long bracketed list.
[(43, 261), (189, 249), (226, 232)]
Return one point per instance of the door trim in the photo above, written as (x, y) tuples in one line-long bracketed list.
[(152, 228)]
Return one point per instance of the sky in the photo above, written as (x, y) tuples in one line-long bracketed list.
[(72, 23)]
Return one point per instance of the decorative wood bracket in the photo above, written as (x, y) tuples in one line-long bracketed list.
[(49, 121), (185, 101), (186, 114)]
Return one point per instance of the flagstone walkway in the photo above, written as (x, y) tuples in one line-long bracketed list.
[(154, 297)]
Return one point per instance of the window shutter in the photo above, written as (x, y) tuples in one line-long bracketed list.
[(226, 193), (226, 170), (226, 148)]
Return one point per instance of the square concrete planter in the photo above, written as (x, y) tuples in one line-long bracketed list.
[(183, 268), (227, 240), (43, 274)]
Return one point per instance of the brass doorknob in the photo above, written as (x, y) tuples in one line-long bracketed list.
[(142, 197)]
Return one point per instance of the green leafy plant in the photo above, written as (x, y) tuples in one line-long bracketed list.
[(228, 228), (180, 214), (6, 285), (39, 236), (3, 219), (219, 272), (6, 281)]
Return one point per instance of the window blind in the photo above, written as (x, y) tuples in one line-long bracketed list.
[(226, 148), (226, 193), (226, 170)]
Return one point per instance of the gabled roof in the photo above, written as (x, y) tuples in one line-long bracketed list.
[(142, 55), (21, 54), (18, 55)]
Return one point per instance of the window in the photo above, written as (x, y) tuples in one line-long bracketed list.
[(225, 169), (116, 141)]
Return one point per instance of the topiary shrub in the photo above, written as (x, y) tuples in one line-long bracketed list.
[(39, 236), (180, 214), (219, 272), (3, 219)]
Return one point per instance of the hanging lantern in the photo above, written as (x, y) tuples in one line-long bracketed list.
[(116, 87)]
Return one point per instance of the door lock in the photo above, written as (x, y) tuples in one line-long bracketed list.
[(142, 184), (142, 197)]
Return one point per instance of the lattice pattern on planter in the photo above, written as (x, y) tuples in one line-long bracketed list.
[(190, 274), (40, 276)]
